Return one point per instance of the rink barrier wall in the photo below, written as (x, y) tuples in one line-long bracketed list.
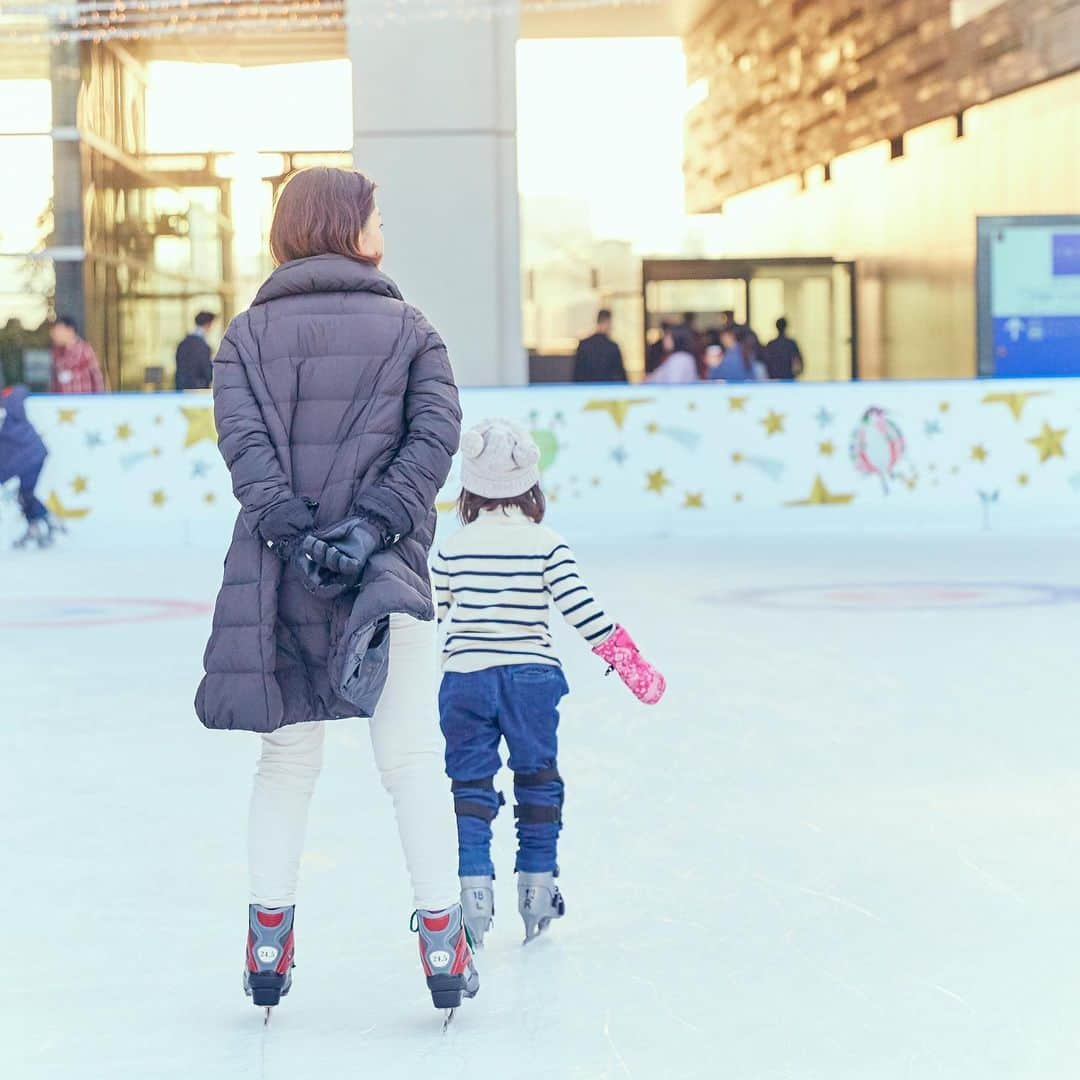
[(621, 462)]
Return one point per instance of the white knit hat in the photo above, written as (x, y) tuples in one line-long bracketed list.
[(500, 460)]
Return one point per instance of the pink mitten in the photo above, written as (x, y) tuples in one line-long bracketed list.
[(621, 654)]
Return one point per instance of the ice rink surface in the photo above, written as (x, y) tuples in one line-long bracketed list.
[(845, 847)]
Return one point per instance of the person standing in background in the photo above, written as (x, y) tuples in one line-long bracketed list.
[(75, 367), (194, 358), (658, 350), (598, 358), (782, 356)]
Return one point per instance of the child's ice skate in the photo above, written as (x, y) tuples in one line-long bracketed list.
[(539, 901), (478, 906), (39, 533), (268, 972), (446, 953)]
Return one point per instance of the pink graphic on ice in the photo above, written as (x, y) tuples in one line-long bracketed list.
[(877, 446)]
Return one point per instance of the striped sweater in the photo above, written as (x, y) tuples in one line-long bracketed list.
[(495, 581)]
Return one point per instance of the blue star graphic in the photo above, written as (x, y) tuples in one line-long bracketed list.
[(93, 439), (824, 417), (932, 427), (619, 455), (199, 468)]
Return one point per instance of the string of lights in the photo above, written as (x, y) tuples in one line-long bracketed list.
[(61, 16)]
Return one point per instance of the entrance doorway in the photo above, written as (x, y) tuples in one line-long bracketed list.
[(815, 295)]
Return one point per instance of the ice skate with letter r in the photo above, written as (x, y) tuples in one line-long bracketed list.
[(539, 901)]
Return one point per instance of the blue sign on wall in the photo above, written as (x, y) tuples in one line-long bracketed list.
[(1029, 296)]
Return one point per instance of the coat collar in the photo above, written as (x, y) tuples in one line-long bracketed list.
[(325, 274)]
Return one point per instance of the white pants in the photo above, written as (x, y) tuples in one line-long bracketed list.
[(409, 755)]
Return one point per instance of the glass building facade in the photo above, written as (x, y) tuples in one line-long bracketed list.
[(93, 227)]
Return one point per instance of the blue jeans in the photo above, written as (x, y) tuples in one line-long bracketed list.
[(32, 507), (477, 709)]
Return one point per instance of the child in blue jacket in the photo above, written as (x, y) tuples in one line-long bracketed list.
[(22, 455)]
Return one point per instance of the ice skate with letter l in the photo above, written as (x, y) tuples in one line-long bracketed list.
[(539, 901), (268, 971), (446, 954), (478, 906)]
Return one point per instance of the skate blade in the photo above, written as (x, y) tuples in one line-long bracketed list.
[(536, 931), (450, 1013), (266, 1017)]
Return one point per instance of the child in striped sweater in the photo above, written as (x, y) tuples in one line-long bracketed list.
[(494, 583)]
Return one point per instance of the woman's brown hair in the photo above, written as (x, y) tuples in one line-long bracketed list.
[(321, 211), (532, 504)]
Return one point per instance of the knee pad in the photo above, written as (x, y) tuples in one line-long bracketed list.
[(466, 807), (528, 813)]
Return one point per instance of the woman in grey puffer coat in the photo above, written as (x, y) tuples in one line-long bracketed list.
[(337, 416)]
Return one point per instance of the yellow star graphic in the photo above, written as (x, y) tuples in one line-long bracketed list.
[(1022, 479), (692, 406), (1049, 442), (773, 422), (820, 495), (79, 484), (200, 425), (156, 451), (737, 404), (1014, 401), (124, 432), (66, 416), (695, 500), (617, 408), (738, 496), (737, 458), (158, 421), (825, 449), (65, 513), (979, 452), (652, 428), (209, 498), (158, 498), (944, 407), (657, 481), (595, 481)]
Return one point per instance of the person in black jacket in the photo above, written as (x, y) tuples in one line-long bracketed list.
[(194, 360), (598, 358), (783, 358)]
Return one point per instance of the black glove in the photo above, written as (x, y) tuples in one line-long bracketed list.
[(344, 548), (286, 525)]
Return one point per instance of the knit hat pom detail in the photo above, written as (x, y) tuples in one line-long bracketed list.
[(472, 443), (525, 454)]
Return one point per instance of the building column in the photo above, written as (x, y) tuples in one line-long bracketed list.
[(69, 238), (435, 126)]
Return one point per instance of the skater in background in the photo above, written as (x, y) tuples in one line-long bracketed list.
[(22, 455), (75, 367), (194, 357), (338, 417), (494, 581)]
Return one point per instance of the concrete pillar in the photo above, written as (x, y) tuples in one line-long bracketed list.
[(435, 122)]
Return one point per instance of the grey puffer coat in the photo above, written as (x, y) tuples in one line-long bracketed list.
[(333, 390)]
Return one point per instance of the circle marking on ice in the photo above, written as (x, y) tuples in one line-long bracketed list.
[(899, 596), (69, 612)]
